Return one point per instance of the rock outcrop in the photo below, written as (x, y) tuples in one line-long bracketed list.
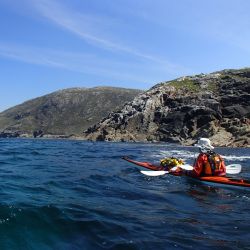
[(213, 105), (63, 113)]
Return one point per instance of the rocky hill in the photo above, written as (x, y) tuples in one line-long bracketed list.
[(63, 113), (215, 105)]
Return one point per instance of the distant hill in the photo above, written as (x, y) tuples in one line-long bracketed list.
[(215, 105), (65, 112)]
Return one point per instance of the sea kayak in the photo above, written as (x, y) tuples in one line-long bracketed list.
[(213, 179)]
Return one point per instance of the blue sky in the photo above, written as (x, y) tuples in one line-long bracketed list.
[(47, 45)]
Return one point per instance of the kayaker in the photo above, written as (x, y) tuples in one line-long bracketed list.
[(208, 163)]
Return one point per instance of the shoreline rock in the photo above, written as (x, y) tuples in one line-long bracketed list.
[(215, 105)]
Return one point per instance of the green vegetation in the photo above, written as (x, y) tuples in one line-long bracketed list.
[(213, 86), (185, 84), (190, 85), (65, 112)]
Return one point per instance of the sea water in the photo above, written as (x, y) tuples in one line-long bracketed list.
[(62, 194)]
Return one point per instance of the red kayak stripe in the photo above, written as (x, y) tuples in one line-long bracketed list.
[(144, 164)]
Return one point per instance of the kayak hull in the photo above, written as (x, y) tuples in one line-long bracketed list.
[(225, 180), (213, 179)]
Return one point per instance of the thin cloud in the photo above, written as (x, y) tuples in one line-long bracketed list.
[(77, 62), (86, 27)]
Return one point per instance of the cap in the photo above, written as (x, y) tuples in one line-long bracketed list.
[(204, 143)]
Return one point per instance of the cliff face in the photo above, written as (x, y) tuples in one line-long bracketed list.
[(64, 112), (214, 105)]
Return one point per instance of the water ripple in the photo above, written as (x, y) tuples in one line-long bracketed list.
[(59, 194)]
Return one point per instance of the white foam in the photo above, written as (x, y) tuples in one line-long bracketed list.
[(187, 155), (184, 154), (236, 158)]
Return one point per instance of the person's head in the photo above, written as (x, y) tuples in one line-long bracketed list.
[(204, 144)]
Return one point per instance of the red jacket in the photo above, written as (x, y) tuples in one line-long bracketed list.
[(201, 163)]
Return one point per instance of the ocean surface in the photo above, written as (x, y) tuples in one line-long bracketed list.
[(62, 194)]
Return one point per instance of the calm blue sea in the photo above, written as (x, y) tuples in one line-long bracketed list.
[(60, 194)]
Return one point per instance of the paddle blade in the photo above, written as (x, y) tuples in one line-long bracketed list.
[(154, 173), (186, 167), (233, 169)]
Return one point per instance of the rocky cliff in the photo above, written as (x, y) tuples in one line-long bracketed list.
[(215, 105), (63, 113)]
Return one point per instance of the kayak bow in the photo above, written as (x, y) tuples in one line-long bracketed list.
[(144, 164), (214, 179)]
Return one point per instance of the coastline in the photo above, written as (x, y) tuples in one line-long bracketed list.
[(190, 143)]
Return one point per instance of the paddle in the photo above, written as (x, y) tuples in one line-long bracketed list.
[(162, 172), (233, 169), (230, 169)]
